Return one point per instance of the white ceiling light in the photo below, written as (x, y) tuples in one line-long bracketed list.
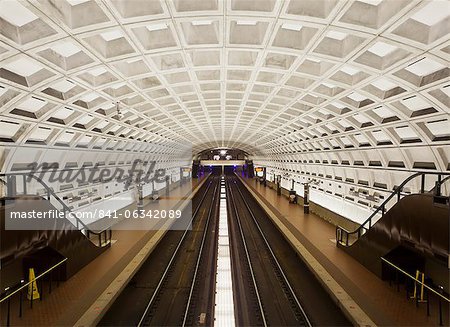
[(201, 22), (439, 128), (345, 123), (329, 85), (380, 136), (66, 49), (97, 71), (406, 133), (130, 61), (314, 60), (32, 104), (338, 105), (40, 134), (382, 49), (384, 84), (23, 67), (360, 118), (415, 103), (63, 113), (357, 97), (76, 2), (425, 67), (66, 137), (292, 27), (102, 124), (118, 85), (433, 13), (156, 27), (111, 35), (246, 22), (372, 2), (85, 120), (89, 97), (63, 86), (16, 14), (336, 35), (350, 70), (383, 112)]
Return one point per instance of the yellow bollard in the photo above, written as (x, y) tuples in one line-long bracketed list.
[(415, 285), (422, 288), (33, 292), (420, 276)]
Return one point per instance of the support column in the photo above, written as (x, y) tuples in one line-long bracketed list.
[(292, 193), (167, 185), (140, 197), (279, 184), (11, 189), (306, 198)]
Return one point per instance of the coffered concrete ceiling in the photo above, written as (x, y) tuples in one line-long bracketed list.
[(270, 77)]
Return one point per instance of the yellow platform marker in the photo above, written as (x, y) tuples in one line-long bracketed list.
[(420, 276), (33, 292)]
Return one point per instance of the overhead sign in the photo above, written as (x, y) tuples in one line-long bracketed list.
[(259, 169)]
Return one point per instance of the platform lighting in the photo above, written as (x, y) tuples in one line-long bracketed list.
[(223, 152)]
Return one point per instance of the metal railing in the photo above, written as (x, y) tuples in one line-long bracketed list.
[(37, 282), (101, 238), (417, 284), (346, 238)]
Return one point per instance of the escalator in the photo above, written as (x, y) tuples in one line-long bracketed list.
[(413, 233), (23, 248)]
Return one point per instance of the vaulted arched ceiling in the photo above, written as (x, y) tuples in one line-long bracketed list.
[(274, 78)]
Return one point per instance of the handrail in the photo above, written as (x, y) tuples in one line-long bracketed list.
[(47, 188), (416, 280), (66, 208), (382, 207), (34, 280)]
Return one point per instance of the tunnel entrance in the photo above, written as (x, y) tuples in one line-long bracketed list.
[(220, 161)]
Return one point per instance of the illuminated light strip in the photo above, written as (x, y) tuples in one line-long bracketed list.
[(224, 304)]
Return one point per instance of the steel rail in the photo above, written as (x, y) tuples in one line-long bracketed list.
[(247, 254), (197, 265), (285, 279), (172, 259)]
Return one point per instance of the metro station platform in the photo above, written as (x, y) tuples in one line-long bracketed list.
[(76, 296), (384, 304)]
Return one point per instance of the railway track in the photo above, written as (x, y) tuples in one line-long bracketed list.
[(184, 262), (173, 299), (271, 284), (275, 300), (290, 293)]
